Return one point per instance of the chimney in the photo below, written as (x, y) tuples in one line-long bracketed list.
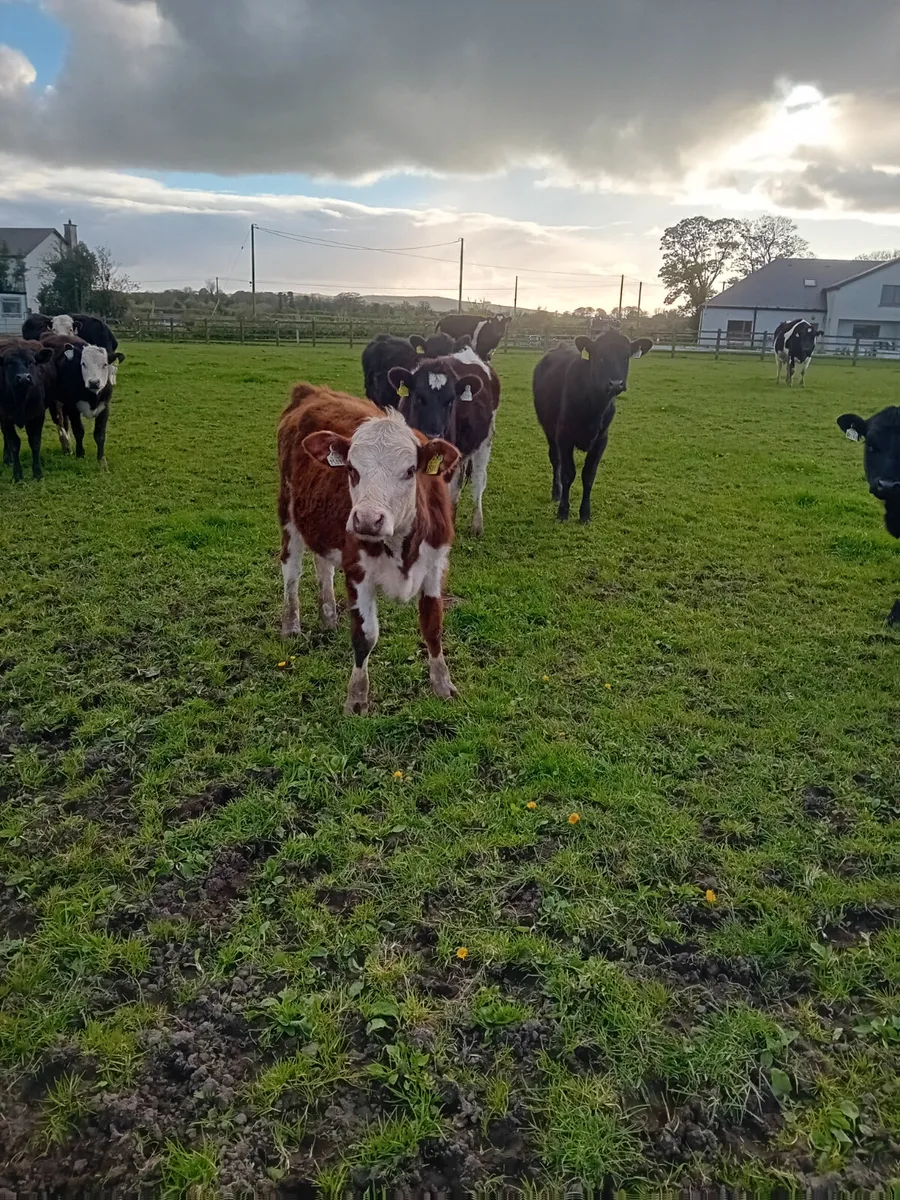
[(70, 235)]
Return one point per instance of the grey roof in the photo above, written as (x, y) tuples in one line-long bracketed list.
[(23, 241), (781, 283)]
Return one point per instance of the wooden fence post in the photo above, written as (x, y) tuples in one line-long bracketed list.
[(855, 351), (718, 341), (171, 329), (351, 333), (277, 333), (762, 349), (242, 331), (314, 331), (207, 330), (673, 345), (297, 334)]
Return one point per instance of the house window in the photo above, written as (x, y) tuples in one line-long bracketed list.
[(739, 329), (11, 308), (866, 332), (809, 283), (890, 296)]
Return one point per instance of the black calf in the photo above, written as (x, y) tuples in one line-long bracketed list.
[(881, 460), (22, 403)]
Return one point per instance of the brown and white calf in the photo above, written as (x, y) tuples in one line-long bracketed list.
[(456, 398), (363, 491)]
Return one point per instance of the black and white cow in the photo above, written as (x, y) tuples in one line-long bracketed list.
[(86, 376), (881, 461), (486, 332), (795, 343), (386, 351), (575, 390)]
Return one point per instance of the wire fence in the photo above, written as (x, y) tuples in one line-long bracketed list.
[(311, 330)]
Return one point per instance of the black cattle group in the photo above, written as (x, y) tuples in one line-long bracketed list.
[(65, 366)]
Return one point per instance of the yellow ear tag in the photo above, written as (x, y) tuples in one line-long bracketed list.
[(420, 349), (585, 355), (402, 391), (434, 464)]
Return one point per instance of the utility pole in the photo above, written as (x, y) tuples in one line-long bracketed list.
[(217, 285), (621, 294), (640, 290), (516, 297), (253, 266), (462, 246)]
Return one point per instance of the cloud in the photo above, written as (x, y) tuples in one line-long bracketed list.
[(16, 73), (609, 92), (165, 234)]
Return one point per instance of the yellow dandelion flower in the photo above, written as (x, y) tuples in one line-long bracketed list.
[(532, 804), (545, 678), (711, 896), (574, 818), (398, 774), (282, 664), (462, 952), (608, 686)]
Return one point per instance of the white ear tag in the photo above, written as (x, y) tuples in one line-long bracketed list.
[(334, 459), (69, 353), (852, 435), (467, 394)]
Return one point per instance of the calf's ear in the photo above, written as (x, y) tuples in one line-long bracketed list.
[(44, 355), (854, 427), (400, 379), (468, 387), (438, 457), (584, 346), (417, 343), (330, 449), (117, 357), (641, 347)]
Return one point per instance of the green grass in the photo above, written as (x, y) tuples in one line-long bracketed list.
[(194, 840)]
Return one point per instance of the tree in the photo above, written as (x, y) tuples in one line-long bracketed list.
[(12, 270), (110, 287), (695, 252), (878, 256), (766, 239)]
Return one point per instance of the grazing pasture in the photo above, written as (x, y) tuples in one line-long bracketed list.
[(626, 911)]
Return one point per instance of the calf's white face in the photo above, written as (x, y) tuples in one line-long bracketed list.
[(64, 326), (382, 460), (94, 368)]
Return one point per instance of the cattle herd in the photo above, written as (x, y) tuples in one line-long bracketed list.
[(372, 485), (67, 366)]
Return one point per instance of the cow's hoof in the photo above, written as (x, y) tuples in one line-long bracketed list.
[(562, 516), (894, 614), (356, 708), (585, 518), (554, 496), (290, 629), (329, 622), (103, 464), (478, 527)]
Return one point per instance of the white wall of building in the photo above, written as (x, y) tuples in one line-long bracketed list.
[(763, 320), (859, 303), (34, 263), (12, 312)]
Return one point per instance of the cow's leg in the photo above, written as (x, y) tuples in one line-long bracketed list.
[(431, 623), (7, 453), (13, 446), (480, 460), (589, 474), (804, 366), (554, 463), (790, 371), (78, 433), (779, 364), (894, 614), (327, 602), (33, 430), (59, 420), (292, 547), (100, 424), (364, 635), (457, 482), (567, 478)]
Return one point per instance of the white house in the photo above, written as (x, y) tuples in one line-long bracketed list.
[(32, 247), (847, 298)]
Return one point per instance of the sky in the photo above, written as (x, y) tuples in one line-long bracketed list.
[(558, 140)]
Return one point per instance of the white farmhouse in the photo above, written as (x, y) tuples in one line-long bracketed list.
[(33, 247), (847, 298)]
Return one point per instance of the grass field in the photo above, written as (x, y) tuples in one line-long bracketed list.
[(246, 942)]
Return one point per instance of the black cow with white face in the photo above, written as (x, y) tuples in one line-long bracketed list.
[(795, 344), (86, 376), (386, 351), (23, 402), (575, 390), (881, 460)]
